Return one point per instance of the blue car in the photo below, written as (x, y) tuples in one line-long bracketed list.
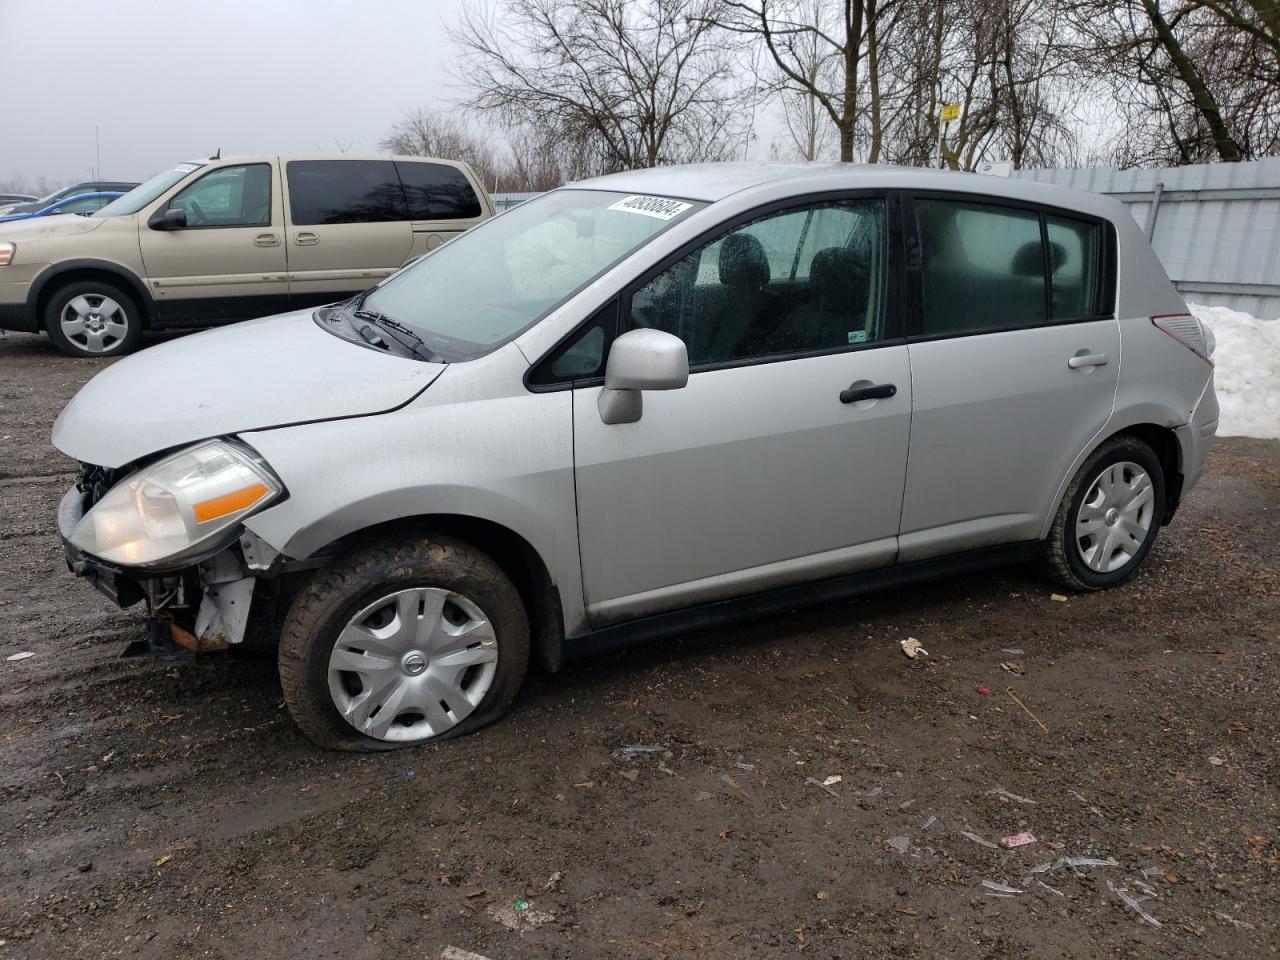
[(85, 203)]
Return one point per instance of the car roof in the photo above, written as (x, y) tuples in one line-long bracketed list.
[(712, 182), (249, 158)]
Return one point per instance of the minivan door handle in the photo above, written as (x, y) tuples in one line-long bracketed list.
[(1087, 360), (876, 391), (266, 240), (305, 239)]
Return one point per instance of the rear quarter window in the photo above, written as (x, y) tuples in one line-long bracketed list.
[(436, 191), (344, 191)]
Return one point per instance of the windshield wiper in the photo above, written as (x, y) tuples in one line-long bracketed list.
[(400, 333)]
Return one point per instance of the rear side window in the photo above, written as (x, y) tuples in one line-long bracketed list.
[(344, 191), (434, 191), (1075, 256), (982, 267)]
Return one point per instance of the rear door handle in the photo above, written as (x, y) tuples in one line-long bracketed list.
[(305, 239), (266, 240), (877, 391), (1087, 360)]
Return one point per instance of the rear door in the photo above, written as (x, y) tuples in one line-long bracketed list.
[(228, 262), (348, 227), (1015, 352)]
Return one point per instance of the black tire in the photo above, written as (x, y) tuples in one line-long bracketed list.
[(1062, 559), (96, 292), (335, 594)]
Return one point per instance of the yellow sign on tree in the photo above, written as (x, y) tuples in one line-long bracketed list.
[(950, 111)]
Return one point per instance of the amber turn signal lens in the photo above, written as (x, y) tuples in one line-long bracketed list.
[(229, 503)]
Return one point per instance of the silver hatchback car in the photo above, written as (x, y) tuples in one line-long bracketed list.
[(636, 405)]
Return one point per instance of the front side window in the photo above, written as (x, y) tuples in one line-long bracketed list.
[(804, 280), (344, 191), (487, 285), (981, 266), (436, 191), (238, 196)]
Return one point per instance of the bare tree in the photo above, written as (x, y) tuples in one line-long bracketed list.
[(636, 82)]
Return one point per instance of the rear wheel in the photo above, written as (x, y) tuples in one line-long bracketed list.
[(398, 644), (1109, 517), (93, 318)]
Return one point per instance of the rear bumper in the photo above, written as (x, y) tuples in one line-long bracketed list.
[(1196, 438)]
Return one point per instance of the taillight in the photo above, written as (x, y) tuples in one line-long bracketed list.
[(1189, 331)]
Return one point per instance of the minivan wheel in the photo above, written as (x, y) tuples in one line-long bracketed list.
[(1109, 517), (403, 642), (92, 318)]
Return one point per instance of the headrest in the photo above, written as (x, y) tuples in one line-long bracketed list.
[(743, 262), (836, 270), (1029, 260)]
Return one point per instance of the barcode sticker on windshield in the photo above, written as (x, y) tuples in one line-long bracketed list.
[(660, 208), (187, 167)]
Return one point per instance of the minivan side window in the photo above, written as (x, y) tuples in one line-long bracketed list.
[(344, 191), (981, 267), (436, 191), (804, 280), (1074, 256), (238, 196)]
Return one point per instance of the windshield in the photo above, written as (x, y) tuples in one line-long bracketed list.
[(144, 193), (493, 281)]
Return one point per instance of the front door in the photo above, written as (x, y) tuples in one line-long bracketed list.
[(1014, 364), (783, 459), (228, 262)]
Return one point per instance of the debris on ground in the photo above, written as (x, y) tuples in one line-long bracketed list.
[(818, 783), (1074, 863), (20, 656), (832, 780), (1013, 651), (1000, 791), (900, 844), (1058, 597), (913, 648), (457, 953), (1025, 709), (520, 916), (1134, 903), (1022, 839), (553, 881), (639, 749), (979, 840), (985, 691), (1013, 667), (1000, 889), (631, 775)]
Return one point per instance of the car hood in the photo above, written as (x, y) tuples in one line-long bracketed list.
[(62, 224), (251, 376)]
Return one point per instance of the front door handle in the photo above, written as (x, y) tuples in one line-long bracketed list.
[(305, 239), (1087, 360), (876, 391), (266, 240)]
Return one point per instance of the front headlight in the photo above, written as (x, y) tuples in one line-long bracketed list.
[(7, 251), (177, 508)]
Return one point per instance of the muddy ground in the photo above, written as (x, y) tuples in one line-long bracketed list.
[(170, 809)]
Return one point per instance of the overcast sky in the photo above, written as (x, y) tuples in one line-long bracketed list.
[(166, 80)]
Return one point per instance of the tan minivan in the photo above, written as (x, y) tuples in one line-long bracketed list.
[(215, 241)]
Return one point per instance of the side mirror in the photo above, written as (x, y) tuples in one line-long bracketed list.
[(174, 218), (640, 360)]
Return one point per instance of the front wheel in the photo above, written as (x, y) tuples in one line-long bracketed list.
[(1109, 517), (92, 318), (401, 643)]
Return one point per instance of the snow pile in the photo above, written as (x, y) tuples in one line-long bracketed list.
[(1246, 371)]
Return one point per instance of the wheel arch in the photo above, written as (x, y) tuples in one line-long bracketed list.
[(1163, 441), (73, 271), (513, 553)]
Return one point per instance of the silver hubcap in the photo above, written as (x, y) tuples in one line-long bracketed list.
[(94, 323), (1115, 517), (413, 664)]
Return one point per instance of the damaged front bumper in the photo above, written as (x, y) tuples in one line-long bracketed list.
[(203, 606)]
